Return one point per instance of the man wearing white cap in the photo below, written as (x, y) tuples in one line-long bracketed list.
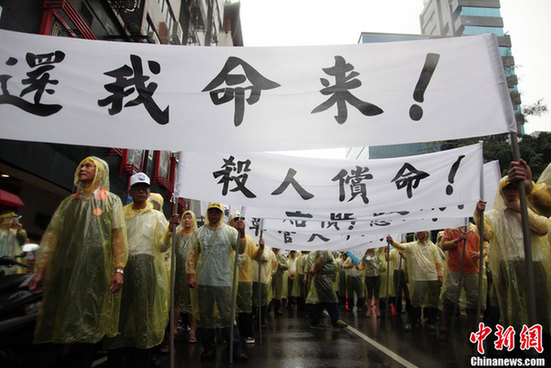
[(210, 268), (145, 296)]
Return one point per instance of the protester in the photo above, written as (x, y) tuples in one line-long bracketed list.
[(462, 246), (145, 296), (210, 268), (324, 274), (355, 285), (80, 269), (300, 278), (245, 286), (277, 281), (263, 266), (183, 295), (373, 268), (12, 237), (293, 289), (157, 201), (398, 267), (426, 275), (503, 229)]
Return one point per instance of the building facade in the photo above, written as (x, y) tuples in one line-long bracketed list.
[(474, 17), (41, 174)]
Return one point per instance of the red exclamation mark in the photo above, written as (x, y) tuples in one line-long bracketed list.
[(416, 111)]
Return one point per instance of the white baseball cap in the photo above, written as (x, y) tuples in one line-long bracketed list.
[(138, 178)]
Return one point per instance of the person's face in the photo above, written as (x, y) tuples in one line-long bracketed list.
[(139, 193), (214, 215), (510, 193), (293, 253), (237, 221), (188, 221), (87, 173), (421, 236)]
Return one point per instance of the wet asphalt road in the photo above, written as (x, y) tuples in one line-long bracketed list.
[(368, 342)]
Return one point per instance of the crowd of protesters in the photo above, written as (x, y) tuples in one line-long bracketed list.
[(104, 272)]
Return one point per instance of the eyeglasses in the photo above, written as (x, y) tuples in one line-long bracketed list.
[(239, 218)]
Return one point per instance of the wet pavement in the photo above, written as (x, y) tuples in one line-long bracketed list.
[(288, 341)]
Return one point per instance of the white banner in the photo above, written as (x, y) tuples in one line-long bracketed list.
[(135, 95), (368, 228), (438, 179)]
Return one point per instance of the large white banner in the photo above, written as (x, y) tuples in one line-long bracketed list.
[(438, 179), (133, 95)]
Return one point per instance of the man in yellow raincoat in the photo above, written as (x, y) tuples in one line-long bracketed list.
[(145, 296), (503, 229), (80, 269), (210, 268)]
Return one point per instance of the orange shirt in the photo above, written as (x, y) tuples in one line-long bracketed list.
[(455, 255)]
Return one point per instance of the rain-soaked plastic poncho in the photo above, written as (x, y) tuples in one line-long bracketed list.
[(325, 278), (80, 250), (145, 295), (424, 264), (10, 245), (267, 266), (278, 276), (183, 294), (212, 261), (503, 228)]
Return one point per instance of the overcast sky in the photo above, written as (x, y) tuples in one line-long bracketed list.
[(330, 22)]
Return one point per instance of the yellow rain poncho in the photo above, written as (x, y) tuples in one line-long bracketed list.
[(145, 295), (268, 263), (212, 262), (183, 244), (80, 250), (10, 242), (424, 267), (503, 228)]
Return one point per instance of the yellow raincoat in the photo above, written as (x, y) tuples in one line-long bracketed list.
[(503, 228), (183, 244), (80, 250), (145, 295)]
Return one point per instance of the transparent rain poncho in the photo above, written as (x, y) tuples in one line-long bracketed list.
[(278, 276), (212, 262), (268, 264), (83, 245), (503, 229), (182, 292), (324, 279), (145, 294), (424, 264), (10, 245)]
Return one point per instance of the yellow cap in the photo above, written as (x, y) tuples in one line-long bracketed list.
[(215, 205)]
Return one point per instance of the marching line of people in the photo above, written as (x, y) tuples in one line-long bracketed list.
[(104, 272)]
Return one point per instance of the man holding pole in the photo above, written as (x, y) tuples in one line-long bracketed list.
[(503, 229), (210, 269), (462, 245)]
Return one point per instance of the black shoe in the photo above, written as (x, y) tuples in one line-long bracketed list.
[(208, 354)]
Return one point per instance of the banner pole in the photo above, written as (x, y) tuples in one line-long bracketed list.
[(172, 282), (530, 289), (260, 283), (481, 250)]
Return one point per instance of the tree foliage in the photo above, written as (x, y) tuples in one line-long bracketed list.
[(535, 150)]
